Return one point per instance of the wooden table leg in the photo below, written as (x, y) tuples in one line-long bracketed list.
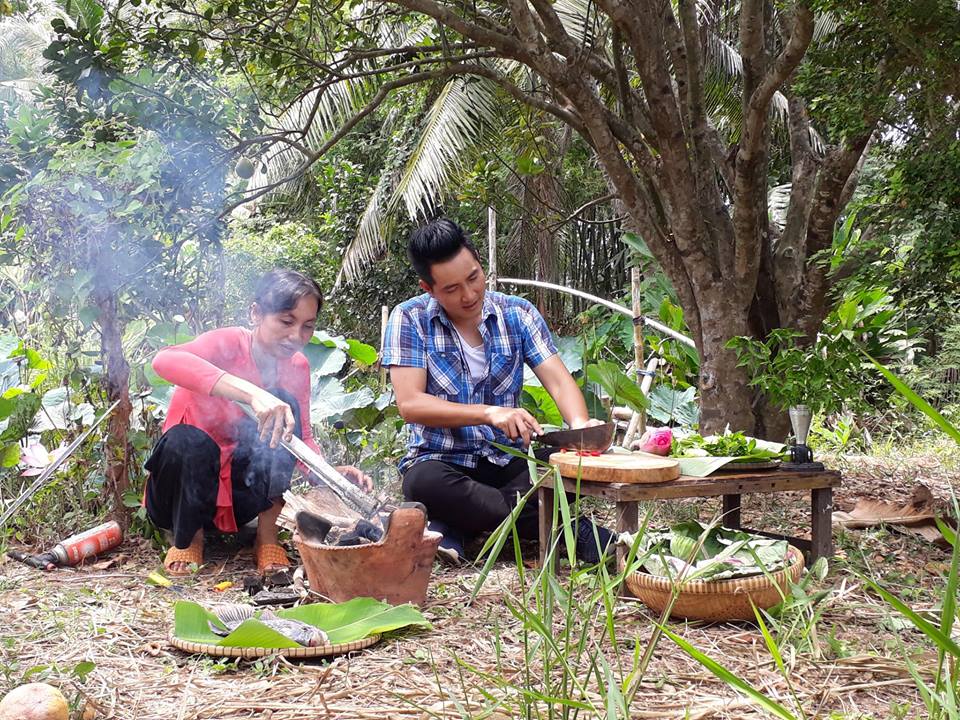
[(627, 521), (545, 499), (821, 530), (731, 511)]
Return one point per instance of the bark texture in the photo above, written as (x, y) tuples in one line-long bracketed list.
[(117, 381)]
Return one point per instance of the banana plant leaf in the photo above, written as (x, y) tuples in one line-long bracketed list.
[(343, 622), (697, 552)]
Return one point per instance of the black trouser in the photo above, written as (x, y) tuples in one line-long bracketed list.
[(474, 500), (185, 476)]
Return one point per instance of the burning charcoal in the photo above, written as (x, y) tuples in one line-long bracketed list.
[(312, 527), (252, 584), (363, 533)]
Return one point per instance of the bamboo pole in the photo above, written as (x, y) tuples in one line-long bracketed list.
[(384, 318), (639, 418), (616, 307), (645, 385), (491, 249)]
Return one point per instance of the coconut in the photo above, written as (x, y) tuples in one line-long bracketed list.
[(34, 701)]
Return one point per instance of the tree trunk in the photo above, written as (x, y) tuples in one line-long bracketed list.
[(116, 373), (726, 398)]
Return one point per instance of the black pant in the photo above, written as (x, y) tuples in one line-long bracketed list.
[(185, 476), (474, 500)]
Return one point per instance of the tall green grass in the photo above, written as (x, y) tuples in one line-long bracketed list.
[(941, 696)]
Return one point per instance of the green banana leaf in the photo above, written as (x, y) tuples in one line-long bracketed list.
[(343, 622), (699, 552)]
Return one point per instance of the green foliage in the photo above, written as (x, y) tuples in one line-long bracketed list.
[(617, 385), (694, 551), (537, 401), (828, 373), (936, 378)]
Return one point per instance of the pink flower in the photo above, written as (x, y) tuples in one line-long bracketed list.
[(656, 441), (36, 457)]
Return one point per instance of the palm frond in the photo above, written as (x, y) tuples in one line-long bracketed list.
[(88, 14), (333, 105), (371, 236), (580, 19), (17, 91), (825, 24), (401, 33), (464, 110), (778, 202), (729, 64), (22, 42)]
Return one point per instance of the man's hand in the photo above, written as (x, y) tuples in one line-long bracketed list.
[(589, 422), (514, 422), (357, 477), (274, 417)]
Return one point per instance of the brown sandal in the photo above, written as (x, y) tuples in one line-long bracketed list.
[(191, 555), (270, 558)]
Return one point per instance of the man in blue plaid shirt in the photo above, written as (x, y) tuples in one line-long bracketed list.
[(456, 357)]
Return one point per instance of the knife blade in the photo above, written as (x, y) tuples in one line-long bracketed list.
[(592, 439)]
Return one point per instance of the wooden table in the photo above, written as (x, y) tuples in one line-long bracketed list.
[(730, 486)]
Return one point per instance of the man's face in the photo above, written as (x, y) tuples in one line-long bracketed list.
[(458, 285)]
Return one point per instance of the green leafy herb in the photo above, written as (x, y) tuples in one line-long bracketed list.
[(734, 445)]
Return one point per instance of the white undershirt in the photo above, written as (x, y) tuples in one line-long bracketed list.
[(476, 358)]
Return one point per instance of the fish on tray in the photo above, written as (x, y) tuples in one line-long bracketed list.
[(232, 616)]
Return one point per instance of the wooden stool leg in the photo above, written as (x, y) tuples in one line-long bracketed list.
[(731, 511), (545, 498), (821, 530)]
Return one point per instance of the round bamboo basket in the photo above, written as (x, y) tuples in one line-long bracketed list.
[(720, 599), (255, 652)]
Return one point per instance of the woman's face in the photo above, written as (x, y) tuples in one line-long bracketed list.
[(283, 333)]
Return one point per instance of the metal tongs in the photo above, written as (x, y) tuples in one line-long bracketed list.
[(326, 474)]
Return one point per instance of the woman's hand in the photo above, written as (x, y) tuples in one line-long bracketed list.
[(274, 417), (357, 477)]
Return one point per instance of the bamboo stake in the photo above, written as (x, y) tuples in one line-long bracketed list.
[(638, 420), (491, 249), (656, 325), (384, 318), (645, 389), (50, 469)]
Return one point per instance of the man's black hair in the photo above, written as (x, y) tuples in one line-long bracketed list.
[(437, 242)]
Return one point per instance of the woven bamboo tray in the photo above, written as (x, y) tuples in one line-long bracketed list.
[(720, 599), (255, 652)]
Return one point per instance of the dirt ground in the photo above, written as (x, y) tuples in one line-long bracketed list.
[(100, 633)]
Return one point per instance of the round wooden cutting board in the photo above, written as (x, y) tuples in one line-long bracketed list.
[(620, 468)]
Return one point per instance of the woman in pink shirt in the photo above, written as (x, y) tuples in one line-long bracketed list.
[(215, 468)]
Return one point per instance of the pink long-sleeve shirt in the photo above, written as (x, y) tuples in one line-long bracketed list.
[(196, 366)]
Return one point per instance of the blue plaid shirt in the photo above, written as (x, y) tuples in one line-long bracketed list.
[(421, 335)]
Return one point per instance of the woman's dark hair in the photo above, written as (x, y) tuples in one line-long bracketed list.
[(281, 290), (436, 242)]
